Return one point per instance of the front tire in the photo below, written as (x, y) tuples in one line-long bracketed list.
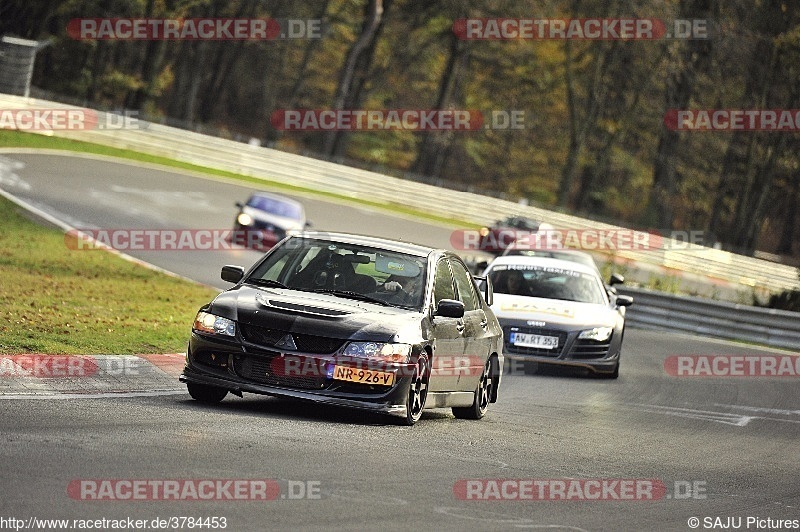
[(206, 394), (483, 395), (417, 390)]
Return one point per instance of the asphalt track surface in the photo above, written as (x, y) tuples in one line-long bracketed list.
[(735, 439)]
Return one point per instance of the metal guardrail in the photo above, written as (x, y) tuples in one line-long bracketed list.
[(265, 163), (656, 310)]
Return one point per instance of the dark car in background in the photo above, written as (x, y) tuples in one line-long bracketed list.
[(502, 234), (353, 321), (265, 219)]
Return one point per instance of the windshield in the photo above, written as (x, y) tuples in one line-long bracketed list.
[(563, 255), (276, 206), (547, 282), (315, 265)]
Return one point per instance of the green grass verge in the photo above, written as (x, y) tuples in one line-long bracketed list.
[(18, 139), (55, 300)]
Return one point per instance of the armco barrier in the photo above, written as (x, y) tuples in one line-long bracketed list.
[(656, 310), (719, 267)]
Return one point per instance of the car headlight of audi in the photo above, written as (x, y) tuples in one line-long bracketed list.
[(598, 334)]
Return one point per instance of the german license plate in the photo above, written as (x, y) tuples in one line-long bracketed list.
[(364, 376), (533, 340)]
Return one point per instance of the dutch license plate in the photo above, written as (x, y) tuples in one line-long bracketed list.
[(534, 340), (364, 376)]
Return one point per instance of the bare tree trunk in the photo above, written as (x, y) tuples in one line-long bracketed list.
[(786, 244), (725, 186), (431, 147), (679, 89), (753, 225), (149, 67), (196, 78), (310, 48), (579, 129), (362, 74), (98, 66), (575, 143), (222, 65), (757, 180), (372, 22)]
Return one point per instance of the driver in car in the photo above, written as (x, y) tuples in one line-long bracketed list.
[(406, 289)]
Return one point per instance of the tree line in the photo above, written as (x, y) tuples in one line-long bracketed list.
[(594, 139)]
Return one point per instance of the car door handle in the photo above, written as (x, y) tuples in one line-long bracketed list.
[(460, 327), (484, 323)]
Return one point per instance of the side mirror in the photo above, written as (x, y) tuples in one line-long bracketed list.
[(450, 308), (616, 279), (232, 274), (624, 301), (239, 204), (481, 265)]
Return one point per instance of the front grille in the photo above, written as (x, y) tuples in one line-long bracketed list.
[(306, 343), (280, 234), (261, 336), (271, 371), (590, 349), (317, 344), (538, 351)]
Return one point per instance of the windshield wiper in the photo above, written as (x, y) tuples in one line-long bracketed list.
[(353, 295), (266, 282)]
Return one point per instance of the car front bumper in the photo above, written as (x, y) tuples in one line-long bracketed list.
[(599, 357), (190, 375), (606, 365), (320, 388)]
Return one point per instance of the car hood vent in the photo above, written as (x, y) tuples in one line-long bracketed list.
[(306, 309)]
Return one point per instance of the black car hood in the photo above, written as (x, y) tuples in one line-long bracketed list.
[(319, 314)]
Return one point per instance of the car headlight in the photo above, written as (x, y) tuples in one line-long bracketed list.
[(598, 334), (244, 219), (209, 323), (378, 351)]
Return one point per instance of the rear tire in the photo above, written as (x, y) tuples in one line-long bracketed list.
[(483, 395), (206, 394)]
